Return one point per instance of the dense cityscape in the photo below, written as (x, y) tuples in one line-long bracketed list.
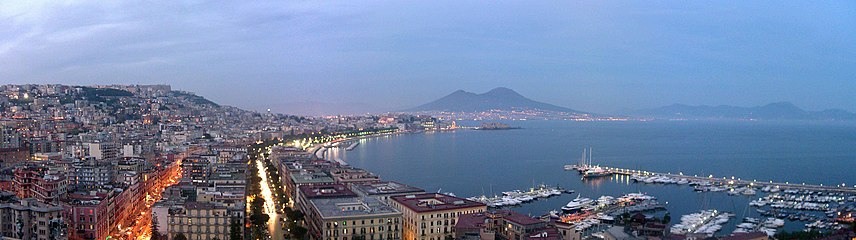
[(146, 161), (427, 120), (150, 162)]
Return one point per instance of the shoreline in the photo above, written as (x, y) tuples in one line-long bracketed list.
[(317, 147)]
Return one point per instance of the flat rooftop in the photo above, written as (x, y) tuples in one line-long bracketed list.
[(352, 207), (314, 177), (387, 188), (431, 202), (326, 191)]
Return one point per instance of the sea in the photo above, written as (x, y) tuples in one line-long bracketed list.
[(488, 162)]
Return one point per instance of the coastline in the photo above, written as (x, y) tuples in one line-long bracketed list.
[(317, 147)]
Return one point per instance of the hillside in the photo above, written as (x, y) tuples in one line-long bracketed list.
[(772, 111)]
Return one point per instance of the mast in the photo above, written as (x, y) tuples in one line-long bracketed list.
[(591, 162), (583, 158)]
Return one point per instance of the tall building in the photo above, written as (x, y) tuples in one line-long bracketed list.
[(90, 174), (195, 168), (90, 216), (103, 150), (352, 218), (35, 182), (9, 138), (199, 220), (432, 216), (30, 219)]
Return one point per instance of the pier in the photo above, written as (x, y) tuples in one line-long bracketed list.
[(731, 181)]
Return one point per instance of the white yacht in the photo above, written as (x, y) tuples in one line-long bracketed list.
[(577, 204)]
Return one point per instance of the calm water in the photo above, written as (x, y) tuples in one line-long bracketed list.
[(471, 163)]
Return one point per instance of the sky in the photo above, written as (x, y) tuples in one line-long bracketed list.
[(308, 57)]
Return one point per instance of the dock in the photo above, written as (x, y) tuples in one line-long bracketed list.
[(735, 182)]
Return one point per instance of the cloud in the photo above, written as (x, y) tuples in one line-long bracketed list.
[(256, 54)]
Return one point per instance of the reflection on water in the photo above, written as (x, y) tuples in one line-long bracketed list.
[(472, 163)]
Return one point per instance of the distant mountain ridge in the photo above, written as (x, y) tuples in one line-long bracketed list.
[(496, 99), (772, 111)]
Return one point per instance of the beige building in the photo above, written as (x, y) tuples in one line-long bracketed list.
[(432, 216), (199, 220), (348, 218)]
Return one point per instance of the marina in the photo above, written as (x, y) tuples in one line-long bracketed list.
[(711, 183), (791, 202), (706, 222), (481, 156), (518, 197)]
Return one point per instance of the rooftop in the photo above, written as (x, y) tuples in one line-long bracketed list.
[(314, 177), (431, 202), (351, 207), (516, 217), (385, 188), (326, 191), (476, 220), (227, 176), (547, 233)]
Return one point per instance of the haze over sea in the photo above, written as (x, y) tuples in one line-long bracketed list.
[(471, 163)]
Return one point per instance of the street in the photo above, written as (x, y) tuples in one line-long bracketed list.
[(274, 224)]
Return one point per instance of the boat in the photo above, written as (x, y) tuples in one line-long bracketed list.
[(705, 222), (590, 171), (517, 197), (569, 167), (605, 201), (577, 204), (595, 172)]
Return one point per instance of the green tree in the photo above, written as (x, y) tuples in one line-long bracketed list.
[(298, 232), (625, 217), (667, 218), (235, 229), (180, 236), (155, 234)]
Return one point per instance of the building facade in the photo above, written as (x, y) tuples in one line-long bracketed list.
[(352, 218), (30, 219), (199, 220), (432, 216)]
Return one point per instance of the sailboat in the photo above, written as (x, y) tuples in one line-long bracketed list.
[(593, 171)]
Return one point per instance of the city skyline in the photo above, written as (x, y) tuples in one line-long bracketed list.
[(598, 57)]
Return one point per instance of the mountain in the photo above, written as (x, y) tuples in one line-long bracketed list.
[(772, 111), (497, 99)]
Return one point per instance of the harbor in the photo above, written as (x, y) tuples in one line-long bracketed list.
[(710, 183), (706, 222), (518, 197), (477, 159), (817, 207)]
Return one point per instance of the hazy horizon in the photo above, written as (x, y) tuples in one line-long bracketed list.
[(300, 57)]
